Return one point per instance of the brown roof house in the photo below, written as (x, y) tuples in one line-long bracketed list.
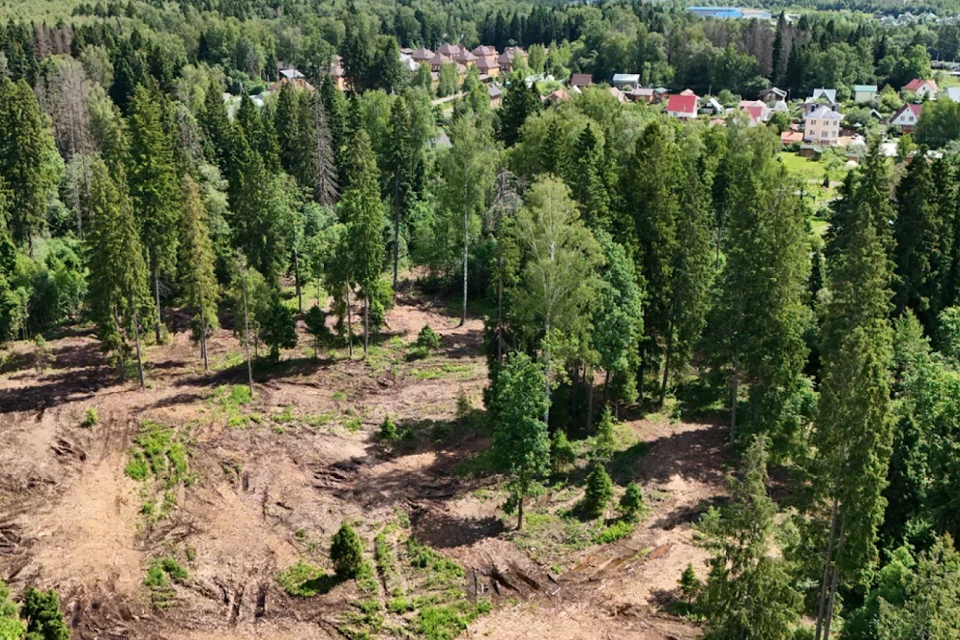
[(506, 59), (488, 65), (422, 55), (581, 80), (484, 51)]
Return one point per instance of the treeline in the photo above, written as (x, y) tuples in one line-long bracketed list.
[(665, 44)]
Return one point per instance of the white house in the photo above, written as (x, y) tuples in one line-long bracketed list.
[(621, 80), (820, 98), (950, 93), (907, 117), (822, 126), (683, 107), (922, 89), (864, 92)]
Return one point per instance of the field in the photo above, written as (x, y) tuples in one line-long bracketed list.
[(191, 510)]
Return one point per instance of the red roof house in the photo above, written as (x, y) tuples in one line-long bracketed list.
[(907, 117), (682, 106)]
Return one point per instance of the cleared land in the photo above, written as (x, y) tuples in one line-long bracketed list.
[(191, 510)]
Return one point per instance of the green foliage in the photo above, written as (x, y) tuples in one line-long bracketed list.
[(388, 431), (316, 321), (11, 628), (562, 454), (346, 551), (689, 584), (90, 418), (632, 505), (41, 611), (598, 493), (749, 594), (278, 327), (303, 580), (616, 531), (604, 441), (158, 453), (198, 279), (428, 338), (520, 439), (446, 622)]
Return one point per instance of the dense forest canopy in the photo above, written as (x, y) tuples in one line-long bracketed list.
[(154, 157)]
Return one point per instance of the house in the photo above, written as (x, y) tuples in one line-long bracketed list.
[(581, 80), (791, 137), (681, 106), (772, 95), (950, 93), (906, 117), (495, 94), (687, 92), (781, 107), (421, 55), (557, 96), (712, 107), (821, 98), (337, 74), (294, 78), (616, 93), (757, 109), (449, 50), (485, 51), (641, 94), (923, 89), (487, 65), (465, 58), (822, 126), (437, 60), (864, 92), (621, 80), (507, 58)]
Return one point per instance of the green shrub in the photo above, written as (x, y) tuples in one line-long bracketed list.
[(464, 406), (631, 504), (616, 531), (302, 580), (388, 431), (689, 583), (42, 611), (561, 452), (599, 492), (346, 551), (428, 339), (91, 419), (606, 435), (399, 605)]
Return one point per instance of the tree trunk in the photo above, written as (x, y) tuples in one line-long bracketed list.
[(734, 394), (123, 361), (500, 304), (136, 333), (349, 326), (834, 580), (520, 513), (203, 336), (246, 335), (296, 275), (156, 294), (666, 364), (366, 324), (827, 561), (466, 249), (588, 380), (396, 230), (546, 377)]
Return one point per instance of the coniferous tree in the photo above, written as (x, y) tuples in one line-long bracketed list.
[(519, 103), (325, 188), (198, 279), (28, 160), (118, 273), (588, 180), (853, 432), (749, 594), (759, 320), (152, 177), (918, 233), (361, 210), (401, 161)]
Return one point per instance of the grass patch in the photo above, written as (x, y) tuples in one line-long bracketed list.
[(304, 580), (156, 453), (160, 576), (90, 418), (613, 532), (231, 402), (447, 622)]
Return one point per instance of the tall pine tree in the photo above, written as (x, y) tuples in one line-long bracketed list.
[(198, 279)]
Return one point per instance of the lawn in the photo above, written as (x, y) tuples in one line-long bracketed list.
[(812, 170)]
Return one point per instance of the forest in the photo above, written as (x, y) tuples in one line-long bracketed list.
[(158, 178)]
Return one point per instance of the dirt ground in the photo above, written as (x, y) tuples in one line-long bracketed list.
[(271, 481)]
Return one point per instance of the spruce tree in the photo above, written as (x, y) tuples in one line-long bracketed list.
[(400, 186), (118, 275), (519, 103), (325, 187), (588, 180), (198, 279), (917, 232), (28, 160), (152, 179), (361, 210), (853, 433), (749, 593)]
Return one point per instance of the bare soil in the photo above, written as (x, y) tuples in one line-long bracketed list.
[(272, 490)]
